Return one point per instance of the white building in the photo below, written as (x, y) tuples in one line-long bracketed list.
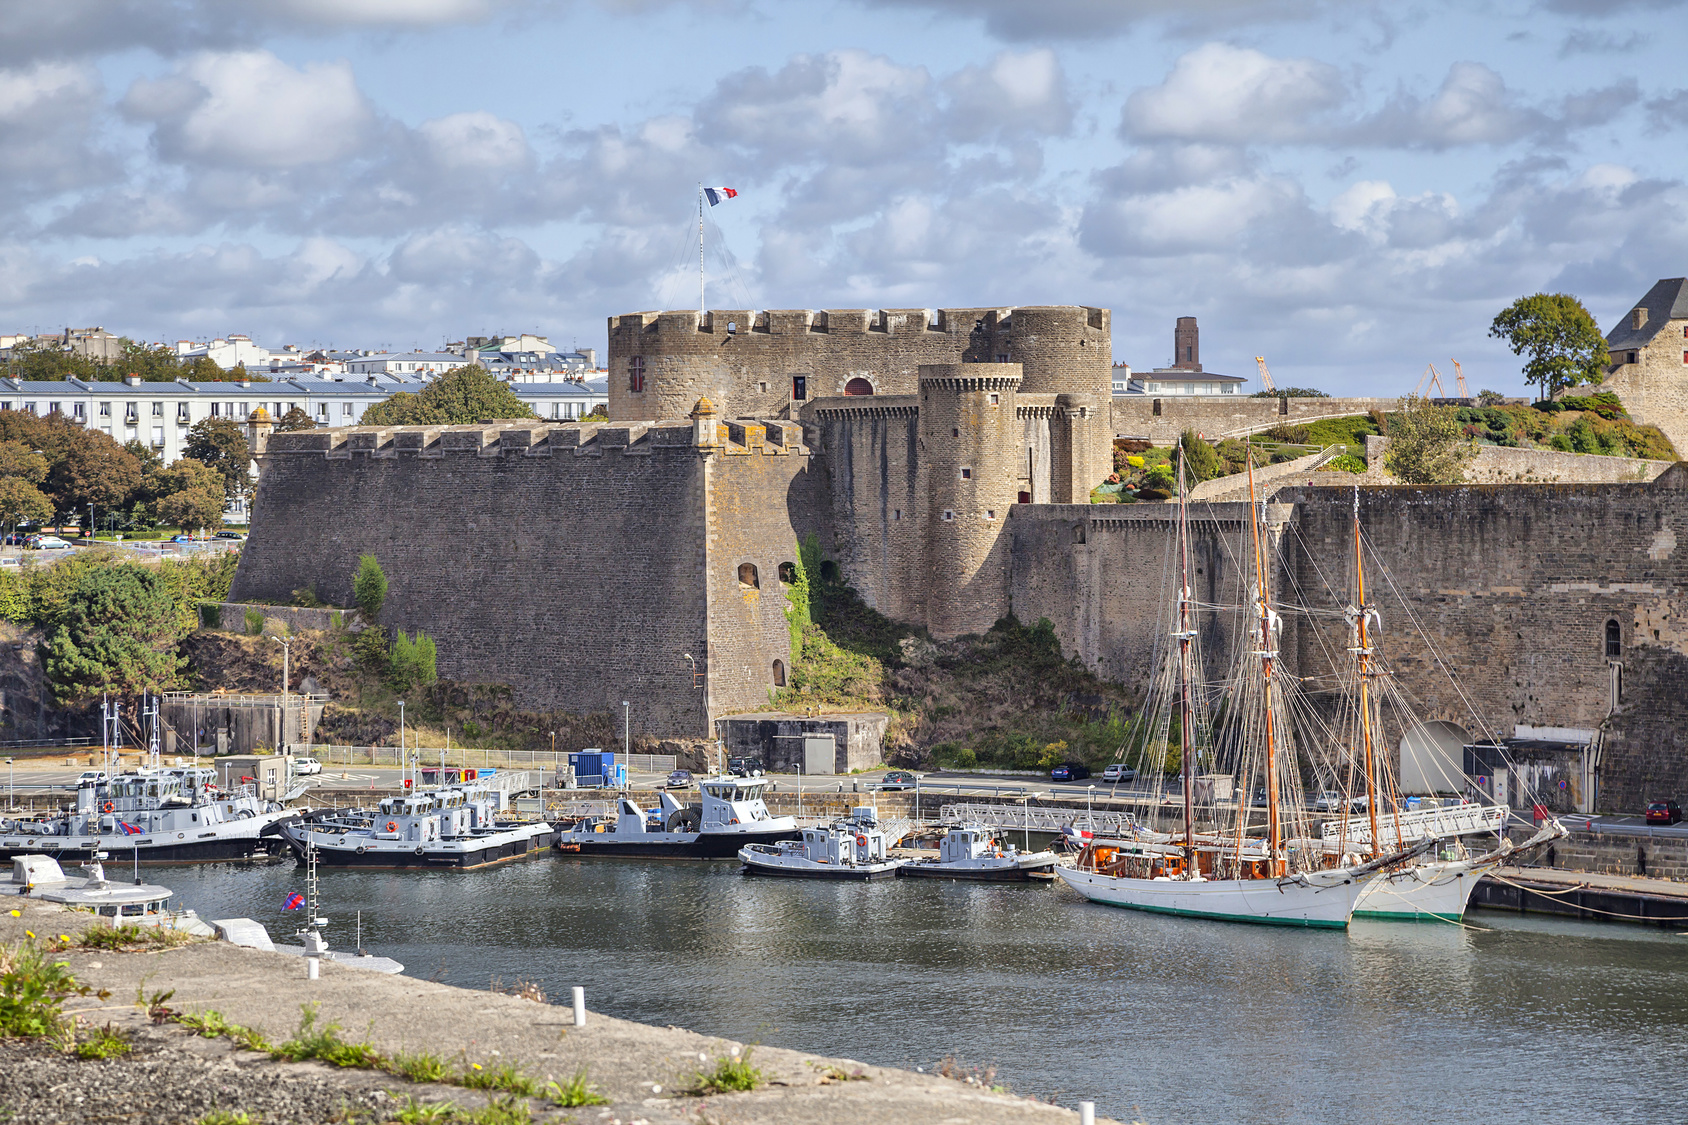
[(227, 353), (1177, 381), (411, 364)]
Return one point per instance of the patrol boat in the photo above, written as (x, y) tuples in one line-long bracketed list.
[(160, 816), (971, 851), (852, 848), (454, 826), (731, 814)]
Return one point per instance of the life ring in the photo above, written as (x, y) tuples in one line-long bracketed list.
[(419, 851), (392, 826), (861, 840), (107, 807)]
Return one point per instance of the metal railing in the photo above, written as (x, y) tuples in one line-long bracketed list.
[(330, 754), (1035, 818)]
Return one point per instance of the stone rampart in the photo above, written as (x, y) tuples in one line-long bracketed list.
[(1500, 464), (1161, 419)]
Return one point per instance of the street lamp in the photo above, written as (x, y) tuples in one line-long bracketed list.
[(286, 655), (401, 740), (627, 731)]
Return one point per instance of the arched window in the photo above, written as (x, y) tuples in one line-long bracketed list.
[(788, 572), (747, 576), (858, 386), (779, 673), (1614, 640)]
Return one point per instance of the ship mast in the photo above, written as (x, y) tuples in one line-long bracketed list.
[(1363, 662), (1185, 634), (1268, 654)]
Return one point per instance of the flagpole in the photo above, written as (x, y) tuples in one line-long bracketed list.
[(700, 248)]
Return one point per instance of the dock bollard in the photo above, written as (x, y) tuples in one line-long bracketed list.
[(313, 968), (1086, 1113), (579, 1006)]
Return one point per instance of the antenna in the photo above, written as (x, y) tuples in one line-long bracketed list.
[(700, 248)]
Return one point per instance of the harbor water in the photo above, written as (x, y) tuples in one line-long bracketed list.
[(1157, 1019)]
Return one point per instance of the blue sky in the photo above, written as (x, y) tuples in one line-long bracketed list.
[(1352, 190)]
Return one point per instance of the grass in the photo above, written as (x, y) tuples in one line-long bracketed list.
[(131, 936), (420, 1066), (326, 1045), (228, 1117), (211, 1024), (502, 1111), (574, 1092), (33, 989), (505, 1077), (105, 1042), (732, 1074)]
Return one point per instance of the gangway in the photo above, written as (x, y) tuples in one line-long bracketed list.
[(1037, 818), (1420, 824)]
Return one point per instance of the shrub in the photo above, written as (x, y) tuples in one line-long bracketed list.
[(105, 1042), (210, 615), (1288, 433), (254, 623), (369, 588), (33, 989), (413, 661), (1347, 463), (732, 1074)]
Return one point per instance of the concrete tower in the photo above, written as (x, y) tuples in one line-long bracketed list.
[(1186, 345), (970, 447)]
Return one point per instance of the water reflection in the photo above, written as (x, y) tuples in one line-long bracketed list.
[(1167, 1019)]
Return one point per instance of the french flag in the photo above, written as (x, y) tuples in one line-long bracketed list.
[(718, 194), (293, 901)]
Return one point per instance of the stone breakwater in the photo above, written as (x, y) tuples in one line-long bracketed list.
[(643, 1072)]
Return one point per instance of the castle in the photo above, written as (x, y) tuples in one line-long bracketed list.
[(943, 462)]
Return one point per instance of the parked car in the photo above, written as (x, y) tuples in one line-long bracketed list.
[(1069, 771), (235, 535), (745, 767), (45, 543), (182, 539), (1119, 772), (89, 777), (1664, 812), (1328, 801), (679, 779), (303, 766), (897, 779)]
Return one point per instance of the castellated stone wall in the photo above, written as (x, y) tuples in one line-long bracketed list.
[(744, 361), (1514, 584), (1654, 388), (577, 563), (1161, 419)]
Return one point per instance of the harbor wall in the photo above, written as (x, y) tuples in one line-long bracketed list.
[(1620, 853)]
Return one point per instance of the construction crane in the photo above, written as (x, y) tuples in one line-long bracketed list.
[(1459, 379), (1433, 378), (1265, 375)]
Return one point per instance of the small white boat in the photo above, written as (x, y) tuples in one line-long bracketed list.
[(120, 904), (972, 851), (731, 815), (854, 848), (452, 827)]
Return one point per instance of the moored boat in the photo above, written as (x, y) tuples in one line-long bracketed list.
[(973, 852), (852, 849), (452, 827), (731, 814)]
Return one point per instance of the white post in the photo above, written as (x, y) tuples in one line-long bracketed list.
[(579, 1006), (313, 968), (1086, 1113)]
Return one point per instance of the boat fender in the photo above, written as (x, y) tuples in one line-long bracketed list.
[(418, 851), (861, 840), (246, 814), (392, 826), (360, 849), (108, 807)]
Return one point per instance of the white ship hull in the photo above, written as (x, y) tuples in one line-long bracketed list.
[(1266, 901), (1427, 892)]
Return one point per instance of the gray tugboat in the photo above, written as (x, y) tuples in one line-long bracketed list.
[(731, 815), (972, 851), (852, 848), (454, 826)]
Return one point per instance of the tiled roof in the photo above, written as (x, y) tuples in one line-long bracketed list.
[(1666, 301)]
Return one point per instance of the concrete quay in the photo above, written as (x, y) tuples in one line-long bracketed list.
[(1587, 895), (643, 1071)]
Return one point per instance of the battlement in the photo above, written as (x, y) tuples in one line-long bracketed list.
[(531, 439), (891, 322)]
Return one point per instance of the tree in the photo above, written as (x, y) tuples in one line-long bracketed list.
[(1561, 337), (190, 495), (412, 664), (154, 365), (458, 398), (18, 460), (91, 469), (22, 502), (294, 419), (1200, 461), (221, 444), (369, 588), (1427, 444), (117, 631)]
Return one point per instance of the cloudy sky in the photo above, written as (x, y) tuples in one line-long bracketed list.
[(1351, 189)]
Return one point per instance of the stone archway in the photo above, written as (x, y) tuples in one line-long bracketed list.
[(858, 386)]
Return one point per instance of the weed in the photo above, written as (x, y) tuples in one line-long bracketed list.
[(228, 1117), (249, 1038), (526, 989), (106, 1042), (574, 1092), (980, 1076), (732, 1074), (33, 989), (423, 1113), (502, 1077), (325, 1045), (208, 1024), (132, 936), (156, 1008), (838, 1074), (500, 1111), (419, 1067)]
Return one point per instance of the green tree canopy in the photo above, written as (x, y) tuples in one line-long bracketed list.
[(369, 588), (18, 460), (294, 419), (117, 631), (1427, 444), (458, 398), (22, 502), (190, 495), (1200, 461), (83, 465), (1561, 338), (221, 444)]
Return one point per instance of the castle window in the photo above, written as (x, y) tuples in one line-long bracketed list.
[(636, 374), (966, 474), (799, 387), (1025, 498), (1614, 641), (948, 515), (762, 388), (955, 431), (747, 576), (779, 673), (1002, 358), (858, 386), (896, 513), (990, 513), (995, 399), (788, 572)]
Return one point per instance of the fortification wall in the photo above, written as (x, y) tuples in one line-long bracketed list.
[(744, 360), (1654, 388), (1161, 419), (573, 562)]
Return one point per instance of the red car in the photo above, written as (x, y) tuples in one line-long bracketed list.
[(1664, 812)]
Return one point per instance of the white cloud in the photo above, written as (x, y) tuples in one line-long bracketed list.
[(477, 139), (1234, 95), (1015, 94), (47, 119), (249, 109)]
